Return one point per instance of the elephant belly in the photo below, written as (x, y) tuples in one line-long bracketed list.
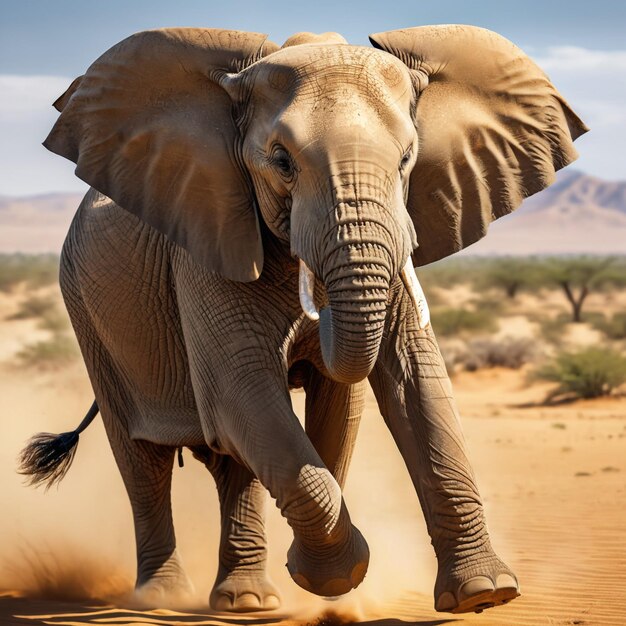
[(121, 269)]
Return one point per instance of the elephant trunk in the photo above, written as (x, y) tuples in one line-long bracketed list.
[(350, 349), (361, 260)]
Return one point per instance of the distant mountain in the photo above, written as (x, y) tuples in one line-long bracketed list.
[(36, 223), (578, 214)]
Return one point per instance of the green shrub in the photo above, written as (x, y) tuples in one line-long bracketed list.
[(613, 328), (448, 322), (444, 274), (55, 352), (36, 270), (588, 373), (552, 329), (490, 304)]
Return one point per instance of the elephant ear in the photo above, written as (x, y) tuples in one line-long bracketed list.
[(149, 126), (492, 131)]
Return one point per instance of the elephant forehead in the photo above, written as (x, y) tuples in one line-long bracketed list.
[(322, 68)]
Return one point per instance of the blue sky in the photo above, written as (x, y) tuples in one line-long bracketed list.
[(45, 44)]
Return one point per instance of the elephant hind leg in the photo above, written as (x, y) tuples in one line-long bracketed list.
[(241, 583), (146, 468)]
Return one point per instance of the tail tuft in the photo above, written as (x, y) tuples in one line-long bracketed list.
[(47, 457)]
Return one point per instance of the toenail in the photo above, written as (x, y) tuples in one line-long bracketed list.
[(445, 602), (247, 600), (506, 581), (223, 603), (272, 602), (475, 585)]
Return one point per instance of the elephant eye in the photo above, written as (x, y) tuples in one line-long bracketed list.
[(282, 161), (406, 159)]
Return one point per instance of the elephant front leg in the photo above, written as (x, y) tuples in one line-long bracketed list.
[(415, 397), (333, 414), (328, 556), (242, 583)]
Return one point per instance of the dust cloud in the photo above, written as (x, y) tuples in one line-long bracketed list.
[(76, 541), (62, 573)]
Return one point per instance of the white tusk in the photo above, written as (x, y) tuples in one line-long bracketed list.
[(307, 288), (417, 294)]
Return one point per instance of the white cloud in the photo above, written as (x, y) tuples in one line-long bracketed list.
[(575, 59)]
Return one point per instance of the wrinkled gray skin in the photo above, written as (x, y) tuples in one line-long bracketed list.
[(179, 356)]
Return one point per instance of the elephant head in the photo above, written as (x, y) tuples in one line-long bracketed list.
[(365, 160)]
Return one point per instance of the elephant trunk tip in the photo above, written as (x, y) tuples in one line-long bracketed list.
[(354, 358)]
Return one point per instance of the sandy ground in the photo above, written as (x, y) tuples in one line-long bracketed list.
[(553, 481)]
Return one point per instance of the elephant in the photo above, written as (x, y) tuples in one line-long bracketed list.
[(254, 218)]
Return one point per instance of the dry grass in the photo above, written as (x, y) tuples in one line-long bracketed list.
[(56, 352)]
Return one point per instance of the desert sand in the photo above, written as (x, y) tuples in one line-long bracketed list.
[(553, 481)]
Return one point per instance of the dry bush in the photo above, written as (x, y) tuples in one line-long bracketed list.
[(490, 303), (509, 352), (33, 307), (486, 352), (46, 310), (552, 329), (56, 321), (454, 353), (50, 354)]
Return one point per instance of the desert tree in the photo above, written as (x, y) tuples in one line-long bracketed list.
[(579, 276), (508, 274)]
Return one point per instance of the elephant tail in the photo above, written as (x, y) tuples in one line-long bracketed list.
[(47, 457)]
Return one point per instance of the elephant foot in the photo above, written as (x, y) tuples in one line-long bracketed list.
[(332, 571), (244, 591), (167, 586), (474, 584)]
